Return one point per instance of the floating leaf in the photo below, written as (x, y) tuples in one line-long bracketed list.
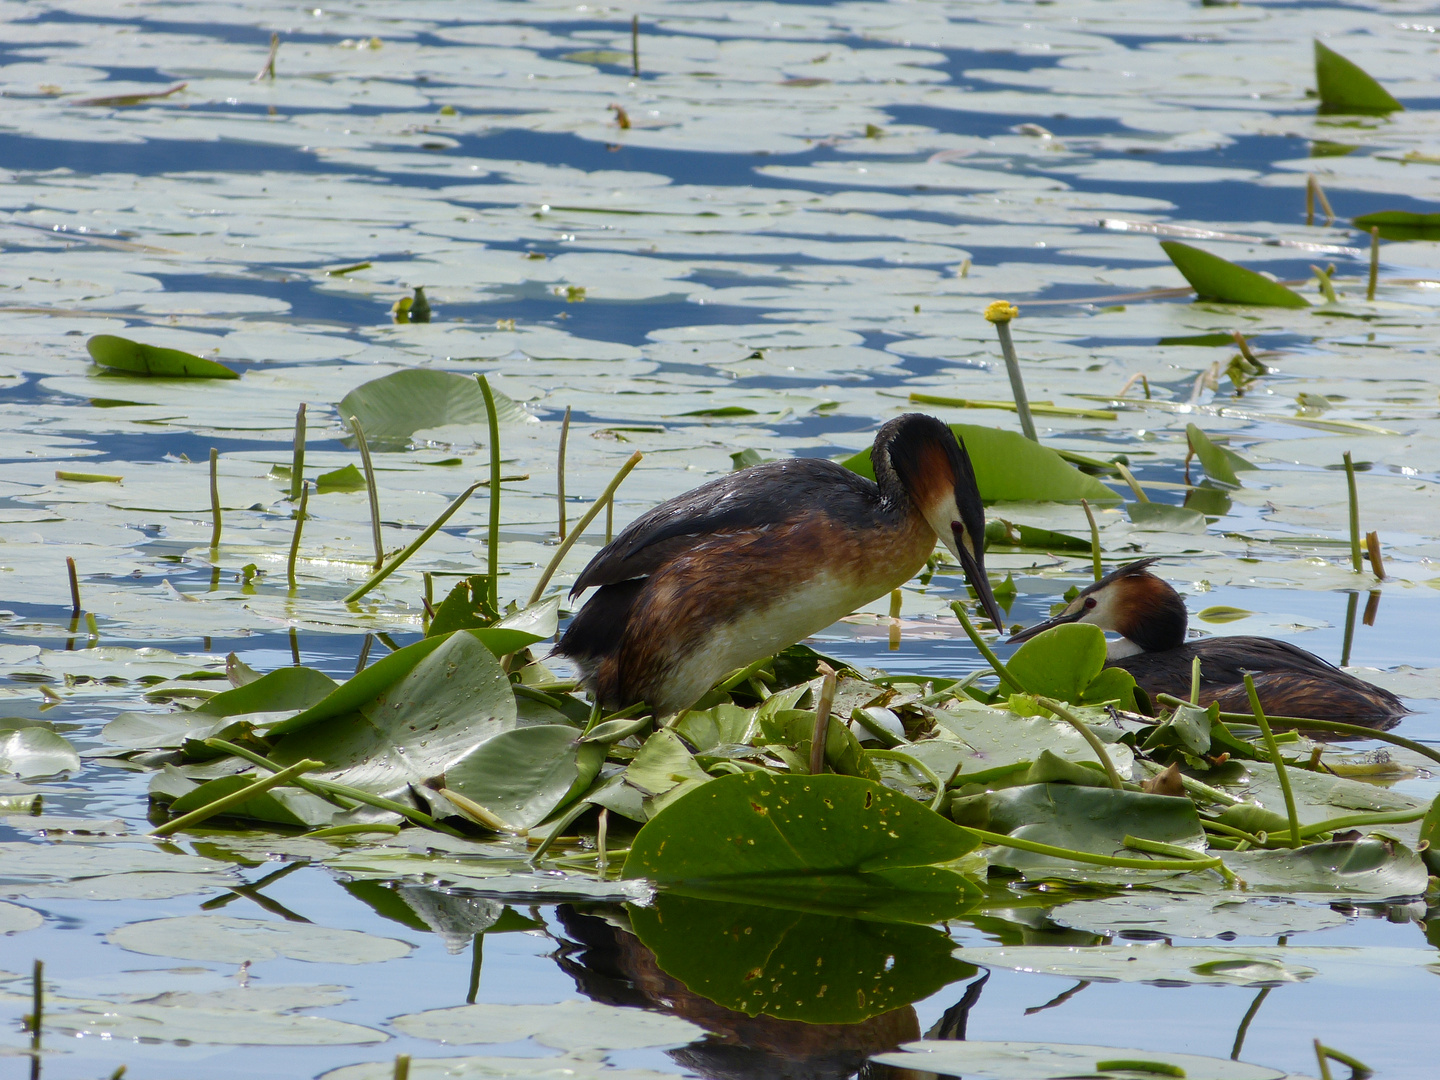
[(15, 919), (762, 960), (122, 354), (1214, 278), (290, 688), (35, 750), (346, 479), (821, 843), (1163, 517), (1002, 533), (1222, 613), (1401, 225), (1067, 662), (1345, 87), (1430, 835), (1044, 1060), (222, 939), (395, 406), (566, 1025), (1188, 916), (1219, 463), (520, 776), (1012, 468), (1366, 868), (1081, 818)]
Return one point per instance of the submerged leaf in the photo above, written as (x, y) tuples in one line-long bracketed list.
[(1214, 278), (122, 354), (1345, 87)]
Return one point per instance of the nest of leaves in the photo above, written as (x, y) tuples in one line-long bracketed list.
[(923, 789)]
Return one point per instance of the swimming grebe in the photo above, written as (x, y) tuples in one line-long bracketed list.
[(1151, 618), (753, 562)]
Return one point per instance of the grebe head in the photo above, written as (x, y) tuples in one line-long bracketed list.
[(921, 461), (1130, 601)]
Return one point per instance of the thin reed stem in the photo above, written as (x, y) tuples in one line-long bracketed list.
[(1374, 262), (1089, 736), (225, 802), (214, 501), (1095, 566), (492, 543), (1372, 548), (560, 470), (635, 45), (299, 528), (74, 587), (1129, 478), (1000, 313), (297, 458), (370, 489), (1276, 759), (395, 563), (564, 549), (985, 650), (1355, 560), (820, 735)]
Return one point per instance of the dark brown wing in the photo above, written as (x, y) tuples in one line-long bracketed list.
[(763, 495)]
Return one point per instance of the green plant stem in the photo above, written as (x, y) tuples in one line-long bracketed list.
[(1089, 736), (1374, 262), (395, 563), (214, 501), (255, 759), (1195, 681), (402, 1067), (492, 544), (1355, 560), (1352, 605), (888, 739), (985, 650), (635, 45), (299, 528), (745, 674), (220, 805), (37, 1003), (1129, 478), (1245, 1022), (1175, 851), (357, 829), (561, 825), (1355, 821), (1278, 761), (1017, 383), (1358, 1069), (1095, 566), (74, 586), (920, 767), (370, 489), (297, 459), (602, 829), (1001, 840), (1255, 839), (560, 469), (1305, 723), (820, 735), (580, 526)]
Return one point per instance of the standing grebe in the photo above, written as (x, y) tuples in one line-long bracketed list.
[(753, 562), (1151, 618)]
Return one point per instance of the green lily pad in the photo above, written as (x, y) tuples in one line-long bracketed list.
[(1044, 1061), (35, 751), (136, 358), (823, 843), (1164, 517), (1345, 87), (1401, 225), (762, 960), (1220, 464), (395, 406), (1012, 468), (348, 478), (520, 776), (1002, 533), (1367, 868), (223, 939), (1222, 613), (1214, 278), (1067, 662), (1189, 916)]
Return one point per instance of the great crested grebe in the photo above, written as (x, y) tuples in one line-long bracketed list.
[(1150, 617), (753, 562)]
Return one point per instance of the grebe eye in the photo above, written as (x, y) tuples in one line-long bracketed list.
[(1089, 602)]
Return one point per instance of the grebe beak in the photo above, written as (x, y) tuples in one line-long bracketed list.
[(1039, 628), (972, 563)]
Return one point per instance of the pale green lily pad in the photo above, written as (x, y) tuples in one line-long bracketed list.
[(565, 1067), (249, 1016), (73, 861), (36, 751), (1044, 1061), (568, 1025), (14, 919), (140, 885), (1187, 916), (228, 940)]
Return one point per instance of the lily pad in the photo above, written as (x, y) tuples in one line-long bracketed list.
[(1044, 1061), (395, 406), (1067, 662), (1345, 87), (567, 1025), (223, 939), (1401, 224), (821, 843), (1214, 278), (1220, 464), (1193, 916), (1368, 868), (520, 776), (136, 358), (36, 751), (343, 479), (1012, 468), (15, 919)]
